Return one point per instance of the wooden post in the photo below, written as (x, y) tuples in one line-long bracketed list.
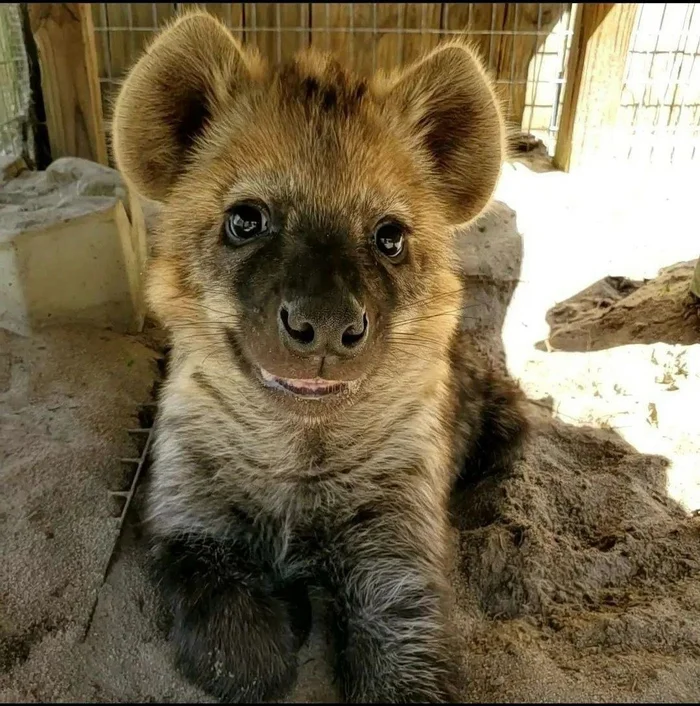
[(64, 36), (595, 76)]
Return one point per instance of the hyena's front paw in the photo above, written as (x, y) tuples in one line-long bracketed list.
[(237, 646), (372, 672), (393, 640), (234, 636)]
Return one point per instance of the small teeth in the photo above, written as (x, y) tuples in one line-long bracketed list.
[(316, 387)]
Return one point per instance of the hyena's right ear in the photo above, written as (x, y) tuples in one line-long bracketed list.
[(185, 77)]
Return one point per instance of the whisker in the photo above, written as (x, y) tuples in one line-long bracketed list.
[(208, 356), (208, 325), (200, 339), (434, 297), (417, 357), (427, 317), (198, 304), (429, 346), (402, 337)]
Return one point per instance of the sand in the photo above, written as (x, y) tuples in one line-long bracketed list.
[(577, 574), (67, 399)]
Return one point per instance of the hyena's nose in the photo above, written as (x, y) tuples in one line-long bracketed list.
[(312, 327)]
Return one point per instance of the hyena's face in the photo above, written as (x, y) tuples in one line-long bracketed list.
[(308, 214)]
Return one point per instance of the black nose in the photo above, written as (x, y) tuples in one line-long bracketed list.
[(313, 327)]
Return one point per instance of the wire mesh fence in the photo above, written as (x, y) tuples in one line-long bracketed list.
[(659, 116), (524, 44), (15, 95)]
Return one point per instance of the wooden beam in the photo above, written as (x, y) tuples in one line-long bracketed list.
[(595, 77), (65, 40)]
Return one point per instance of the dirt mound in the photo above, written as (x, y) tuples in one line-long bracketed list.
[(580, 561), (616, 311)]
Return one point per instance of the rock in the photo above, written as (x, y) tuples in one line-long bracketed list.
[(490, 251), (616, 311), (10, 167), (72, 249)]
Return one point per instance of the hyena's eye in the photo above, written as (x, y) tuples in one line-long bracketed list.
[(244, 222), (389, 240)]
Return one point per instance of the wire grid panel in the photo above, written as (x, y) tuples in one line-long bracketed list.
[(524, 44), (526, 48), (14, 83), (659, 116)]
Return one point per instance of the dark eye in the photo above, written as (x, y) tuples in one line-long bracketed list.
[(389, 239), (245, 222)]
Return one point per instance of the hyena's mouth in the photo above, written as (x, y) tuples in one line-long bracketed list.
[(316, 388)]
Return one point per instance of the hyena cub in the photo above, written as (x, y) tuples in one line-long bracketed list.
[(321, 400)]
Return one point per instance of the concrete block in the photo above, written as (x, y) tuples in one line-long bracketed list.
[(72, 249)]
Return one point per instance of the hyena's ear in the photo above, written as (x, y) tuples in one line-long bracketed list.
[(185, 77), (451, 107)]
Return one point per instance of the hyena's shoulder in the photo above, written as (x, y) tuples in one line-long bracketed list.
[(487, 412)]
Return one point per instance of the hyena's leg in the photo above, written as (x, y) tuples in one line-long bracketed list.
[(393, 641), (236, 632)]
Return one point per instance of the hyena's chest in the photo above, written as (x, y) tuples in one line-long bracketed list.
[(293, 528), (322, 479)]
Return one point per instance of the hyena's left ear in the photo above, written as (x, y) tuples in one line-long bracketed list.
[(452, 109)]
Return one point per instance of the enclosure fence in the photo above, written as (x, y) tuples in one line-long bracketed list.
[(15, 137), (659, 116), (616, 81), (524, 44)]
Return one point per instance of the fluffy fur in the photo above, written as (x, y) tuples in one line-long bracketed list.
[(256, 495)]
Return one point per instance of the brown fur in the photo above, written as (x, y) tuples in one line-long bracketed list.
[(350, 492)]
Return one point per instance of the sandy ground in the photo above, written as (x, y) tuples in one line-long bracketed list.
[(577, 574), (67, 399)]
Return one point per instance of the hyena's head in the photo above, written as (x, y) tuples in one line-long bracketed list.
[(306, 237)]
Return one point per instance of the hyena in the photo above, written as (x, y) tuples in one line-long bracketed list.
[(321, 399)]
